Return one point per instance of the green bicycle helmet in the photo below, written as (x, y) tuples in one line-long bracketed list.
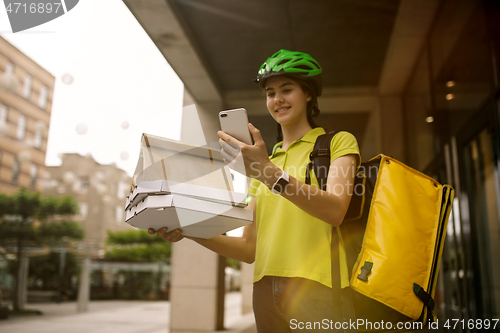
[(294, 64)]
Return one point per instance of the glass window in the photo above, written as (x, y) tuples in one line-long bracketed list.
[(21, 127), (84, 184), (123, 189), (27, 86), (33, 175), (15, 171), (3, 115), (38, 138), (479, 202), (9, 68), (42, 99), (84, 209), (119, 214)]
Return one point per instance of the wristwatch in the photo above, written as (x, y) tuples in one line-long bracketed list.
[(280, 184)]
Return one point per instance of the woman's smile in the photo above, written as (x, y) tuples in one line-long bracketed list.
[(282, 109)]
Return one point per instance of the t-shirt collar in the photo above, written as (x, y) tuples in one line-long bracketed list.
[(308, 137)]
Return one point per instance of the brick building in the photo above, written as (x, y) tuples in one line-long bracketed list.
[(26, 91)]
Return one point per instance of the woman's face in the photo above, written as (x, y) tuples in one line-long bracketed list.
[(286, 101)]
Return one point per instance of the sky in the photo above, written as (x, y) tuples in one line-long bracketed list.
[(122, 85)]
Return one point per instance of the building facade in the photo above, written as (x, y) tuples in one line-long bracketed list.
[(26, 92), (451, 120), (100, 190)]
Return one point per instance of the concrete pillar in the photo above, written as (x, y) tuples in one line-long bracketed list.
[(84, 287), (191, 129), (200, 123), (196, 289), (197, 281), (246, 287)]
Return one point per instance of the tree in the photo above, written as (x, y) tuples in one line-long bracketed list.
[(46, 268), (17, 215), (137, 246)]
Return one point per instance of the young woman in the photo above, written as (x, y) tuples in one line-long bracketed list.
[(289, 240)]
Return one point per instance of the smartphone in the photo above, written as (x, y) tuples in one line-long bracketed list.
[(235, 123)]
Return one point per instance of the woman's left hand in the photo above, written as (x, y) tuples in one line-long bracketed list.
[(251, 159)]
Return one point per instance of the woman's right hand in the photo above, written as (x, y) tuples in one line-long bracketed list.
[(172, 236)]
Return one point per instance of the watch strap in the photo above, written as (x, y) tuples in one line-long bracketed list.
[(280, 184)]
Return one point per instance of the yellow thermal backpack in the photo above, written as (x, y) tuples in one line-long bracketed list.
[(390, 243)]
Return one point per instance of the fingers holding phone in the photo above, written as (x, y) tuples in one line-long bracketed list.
[(236, 141), (231, 154), (234, 135)]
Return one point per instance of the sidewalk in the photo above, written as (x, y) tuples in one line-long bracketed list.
[(115, 316)]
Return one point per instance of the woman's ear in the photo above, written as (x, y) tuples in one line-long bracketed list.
[(308, 97)]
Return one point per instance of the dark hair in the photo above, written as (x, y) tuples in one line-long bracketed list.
[(312, 106)]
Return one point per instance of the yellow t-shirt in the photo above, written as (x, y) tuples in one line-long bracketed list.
[(290, 242)]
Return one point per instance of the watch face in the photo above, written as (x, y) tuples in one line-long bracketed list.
[(280, 185)]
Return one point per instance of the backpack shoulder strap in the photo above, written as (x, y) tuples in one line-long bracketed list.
[(320, 163), (320, 160)]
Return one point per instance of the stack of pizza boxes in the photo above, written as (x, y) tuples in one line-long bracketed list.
[(184, 186)]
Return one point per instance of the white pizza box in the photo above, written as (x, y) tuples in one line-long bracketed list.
[(156, 187), (166, 159), (194, 216)]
